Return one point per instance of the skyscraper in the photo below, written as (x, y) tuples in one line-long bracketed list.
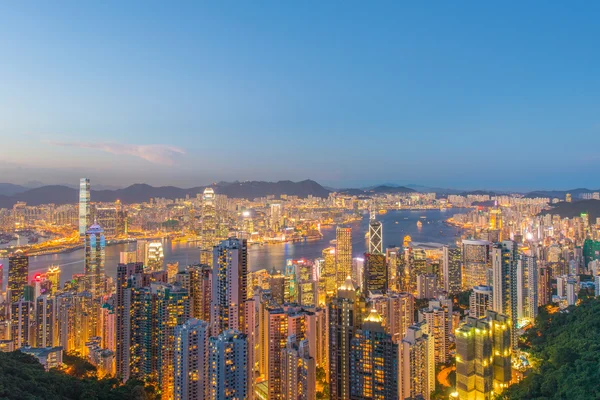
[(229, 281), (200, 290), (125, 273), (22, 317), (346, 313), (18, 271), (84, 205), (228, 354), (416, 371), (44, 319), (437, 319), (343, 254), (191, 360), (504, 270), (53, 276), (209, 226), (397, 311), (480, 301), (156, 257), (452, 269), (373, 361), (375, 237), (527, 287), (476, 262), (545, 286), (298, 371), (483, 356), (375, 274), (94, 260)]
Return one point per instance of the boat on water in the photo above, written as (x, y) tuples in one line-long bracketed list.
[(419, 224), (382, 211), (423, 217), (396, 222)]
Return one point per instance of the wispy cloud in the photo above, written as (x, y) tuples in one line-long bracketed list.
[(154, 153)]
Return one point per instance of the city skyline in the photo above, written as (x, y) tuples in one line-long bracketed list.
[(457, 96)]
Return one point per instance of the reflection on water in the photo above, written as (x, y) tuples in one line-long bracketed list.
[(396, 224)]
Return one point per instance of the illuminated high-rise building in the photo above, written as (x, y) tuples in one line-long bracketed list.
[(228, 357), (438, 326), (156, 257), (345, 314), (397, 311), (416, 367), (84, 206), (392, 258), (229, 281), (483, 356), (327, 276), (22, 323), (298, 371), (200, 290), (375, 237), (275, 222), (44, 320), (191, 360), (18, 271), (373, 361), (53, 276), (527, 287), (290, 289), (426, 286), (375, 274), (544, 286), (95, 245), (452, 269), (480, 301), (504, 270), (209, 226), (343, 254), (306, 283), (476, 262)]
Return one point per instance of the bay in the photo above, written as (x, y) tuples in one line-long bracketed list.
[(396, 224)]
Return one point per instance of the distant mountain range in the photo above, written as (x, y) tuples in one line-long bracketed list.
[(33, 194), (59, 194)]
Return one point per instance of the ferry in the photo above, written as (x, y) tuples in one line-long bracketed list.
[(419, 224), (382, 211)]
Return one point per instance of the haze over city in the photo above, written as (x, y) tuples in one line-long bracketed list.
[(472, 96)]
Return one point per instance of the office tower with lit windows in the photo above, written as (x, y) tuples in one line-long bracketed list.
[(544, 285), (275, 223), (345, 314), (397, 311), (504, 271), (156, 310), (200, 290), (53, 276), (452, 269), (375, 236), (290, 286), (208, 228), (416, 367), (436, 326), (392, 257), (22, 327), (84, 206), (375, 274), (229, 280), (527, 287), (228, 355), (191, 360), (298, 371), (426, 286), (483, 356), (476, 262), (95, 245), (343, 255), (44, 321), (156, 257), (123, 320), (480, 301), (306, 282), (327, 276), (373, 361), (18, 271)]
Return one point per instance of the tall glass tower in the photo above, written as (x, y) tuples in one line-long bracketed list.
[(95, 245), (84, 205)]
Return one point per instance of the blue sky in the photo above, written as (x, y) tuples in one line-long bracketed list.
[(457, 94)]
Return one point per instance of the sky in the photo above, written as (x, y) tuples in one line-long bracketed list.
[(487, 95)]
